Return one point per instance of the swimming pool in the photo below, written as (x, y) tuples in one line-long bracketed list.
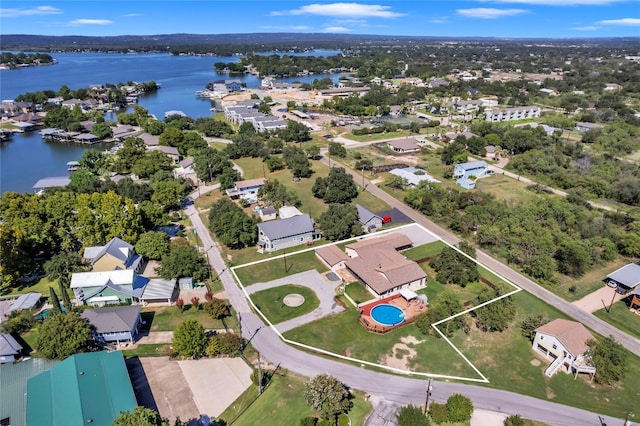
[(388, 315)]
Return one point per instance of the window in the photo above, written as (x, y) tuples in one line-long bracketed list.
[(555, 346)]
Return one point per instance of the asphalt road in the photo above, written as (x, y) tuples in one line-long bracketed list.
[(394, 388)]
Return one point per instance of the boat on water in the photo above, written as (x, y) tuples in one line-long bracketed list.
[(72, 166)]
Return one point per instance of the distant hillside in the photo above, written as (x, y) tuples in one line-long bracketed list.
[(231, 43)]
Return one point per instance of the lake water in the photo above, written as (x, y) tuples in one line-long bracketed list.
[(27, 157)]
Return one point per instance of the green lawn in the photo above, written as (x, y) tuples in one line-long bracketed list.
[(425, 250), (621, 318), (37, 286), (252, 168), (270, 302), (159, 349), (167, 318), (505, 189), (376, 136), (282, 403), (269, 271), (342, 334), (358, 293), (588, 283)]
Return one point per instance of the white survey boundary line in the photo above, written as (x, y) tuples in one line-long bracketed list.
[(483, 378)]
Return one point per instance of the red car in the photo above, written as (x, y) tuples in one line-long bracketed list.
[(386, 219)]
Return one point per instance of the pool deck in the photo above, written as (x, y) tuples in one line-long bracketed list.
[(411, 309)]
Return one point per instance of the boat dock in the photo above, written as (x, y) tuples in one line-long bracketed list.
[(59, 135)]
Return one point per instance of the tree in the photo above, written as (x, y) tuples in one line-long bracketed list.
[(62, 335), (217, 308), (336, 149), (189, 339), (172, 136), (496, 316), (573, 257), (183, 261), (610, 359), (180, 303), (153, 245), (531, 323), (297, 161), (169, 194), (364, 164), (396, 182), (209, 163), (445, 306), (232, 226), (312, 151), (278, 195), (327, 395), (459, 408), (340, 221), (411, 415), (225, 343), (62, 265), (295, 132), (54, 301), (454, 268), (195, 302), (338, 187), (101, 130), (64, 291), (140, 416)]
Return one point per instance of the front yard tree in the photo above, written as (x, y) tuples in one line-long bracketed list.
[(54, 301), (217, 308), (297, 161), (328, 396), (338, 187), (61, 265), (340, 221), (140, 416), (153, 245), (232, 226), (209, 163), (183, 261), (411, 415), (336, 149), (277, 194), (610, 359), (459, 408), (62, 335), (189, 339), (454, 268)]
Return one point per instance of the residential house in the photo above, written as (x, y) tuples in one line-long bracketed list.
[(121, 132), (51, 182), (454, 135), (378, 265), (626, 279), (87, 388), (413, 175), (267, 214), (370, 221), (116, 254), (612, 87), (585, 127), (548, 92), (185, 170), (395, 111), (114, 323), (246, 189), (170, 152), (25, 301), (490, 152), (10, 349), (510, 114), (278, 234), (437, 82), (465, 107), (472, 168), (120, 287), (332, 256), (150, 141), (564, 342), (547, 129), (174, 112), (403, 146)]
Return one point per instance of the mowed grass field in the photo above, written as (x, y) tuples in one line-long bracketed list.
[(271, 303), (279, 268), (621, 318)]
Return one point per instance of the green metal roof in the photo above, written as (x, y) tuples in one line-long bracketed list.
[(89, 388)]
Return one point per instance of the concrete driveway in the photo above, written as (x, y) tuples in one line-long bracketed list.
[(599, 299)]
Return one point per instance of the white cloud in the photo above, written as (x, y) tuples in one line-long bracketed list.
[(489, 12), (336, 30), (559, 2), (77, 22), (131, 15), (624, 22), (39, 10), (587, 28), (343, 10), (438, 20)]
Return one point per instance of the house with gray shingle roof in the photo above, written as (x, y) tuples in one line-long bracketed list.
[(294, 231), (10, 349), (370, 221), (403, 146), (471, 168), (116, 254), (114, 323)]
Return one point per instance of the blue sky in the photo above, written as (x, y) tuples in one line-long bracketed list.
[(497, 18)]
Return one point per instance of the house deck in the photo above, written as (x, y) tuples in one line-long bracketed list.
[(411, 308)]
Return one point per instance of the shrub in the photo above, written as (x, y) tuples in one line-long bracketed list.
[(514, 420), (229, 344), (438, 413), (308, 421), (459, 408), (411, 415), (18, 322)]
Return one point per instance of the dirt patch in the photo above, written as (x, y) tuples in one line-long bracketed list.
[(400, 356), (536, 362), (293, 300), (550, 393), (410, 340), (348, 352)]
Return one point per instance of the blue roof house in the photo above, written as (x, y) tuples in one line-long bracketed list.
[(472, 168), (466, 183)]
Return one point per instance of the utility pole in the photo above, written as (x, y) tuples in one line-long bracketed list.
[(363, 188), (259, 376), (612, 299), (426, 403)]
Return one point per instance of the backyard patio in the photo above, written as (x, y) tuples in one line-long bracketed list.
[(408, 302)]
